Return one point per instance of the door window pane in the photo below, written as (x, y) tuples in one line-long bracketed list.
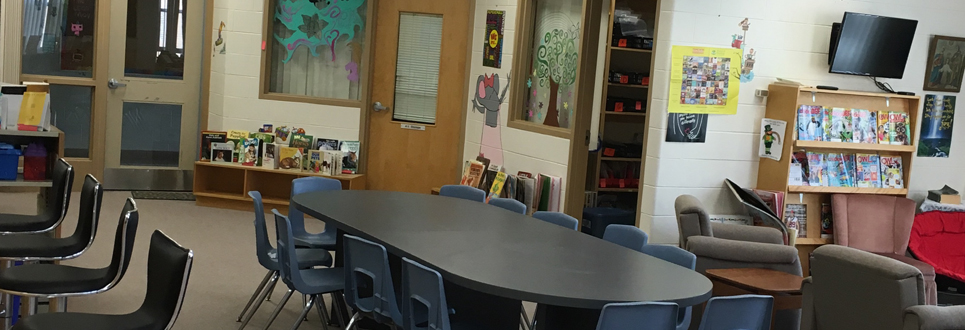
[(417, 68), (151, 134), (58, 37), (70, 108), (316, 48), (552, 73), (155, 39)]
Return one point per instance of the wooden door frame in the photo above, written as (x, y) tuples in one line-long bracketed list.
[(206, 54), (366, 109)]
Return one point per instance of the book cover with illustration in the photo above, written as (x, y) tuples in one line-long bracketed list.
[(827, 221), (884, 127), (263, 138), (315, 161), (836, 169), (222, 152), (302, 141), (331, 161), (498, 182), (899, 128), (269, 155), (799, 173), (864, 125), (891, 172), (867, 174), (841, 126), (326, 144), (849, 169), (207, 138), (282, 136), (249, 152), (473, 174), (810, 125), (817, 175), (290, 158), (796, 217), (237, 137), (350, 156)]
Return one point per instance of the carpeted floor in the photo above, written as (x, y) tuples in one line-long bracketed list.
[(225, 270)]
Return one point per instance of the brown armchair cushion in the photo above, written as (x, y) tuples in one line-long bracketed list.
[(873, 223)]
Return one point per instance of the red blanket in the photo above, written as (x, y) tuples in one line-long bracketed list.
[(938, 238)]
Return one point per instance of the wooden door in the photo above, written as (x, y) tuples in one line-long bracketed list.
[(419, 78)]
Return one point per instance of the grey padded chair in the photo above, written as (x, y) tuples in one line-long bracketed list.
[(854, 289), (558, 218), (508, 204), (463, 192), (168, 269), (57, 201)]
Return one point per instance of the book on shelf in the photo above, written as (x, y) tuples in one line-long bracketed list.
[(796, 217), (773, 199), (350, 156), (827, 221), (841, 129), (499, 181), (222, 152), (269, 156), (207, 138), (237, 138), (290, 158), (282, 136), (544, 186), (332, 162), (302, 141), (899, 128), (810, 123), (892, 175), (316, 163), (473, 174), (527, 192), (864, 123), (817, 175), (326, 144), (34, 108), (867, 171), (555, 189), (509, 189), (849, 168), (263, 138), (249, 152), (799, 173), (489, 176), (884, 127)]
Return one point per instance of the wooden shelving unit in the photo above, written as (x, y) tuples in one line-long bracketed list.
[(627, 127), (226, 185), (782, 104)]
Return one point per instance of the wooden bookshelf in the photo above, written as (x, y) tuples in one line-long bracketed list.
[(628, 85), (633, 50), (782, 104), (625, 113), (621, 159), (226, 185), (626, 190)]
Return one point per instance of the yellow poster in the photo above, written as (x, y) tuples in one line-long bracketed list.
[(704, 80)]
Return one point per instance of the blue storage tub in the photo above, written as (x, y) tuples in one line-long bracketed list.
[(9, 158), (595, 219)]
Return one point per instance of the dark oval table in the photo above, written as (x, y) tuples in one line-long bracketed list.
[(491, 258)]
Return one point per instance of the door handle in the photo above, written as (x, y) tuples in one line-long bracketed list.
[(379, 107), (114, 84)]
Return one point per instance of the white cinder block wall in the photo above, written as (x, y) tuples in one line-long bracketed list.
[(522, 150), (235, 78), (791, 39)]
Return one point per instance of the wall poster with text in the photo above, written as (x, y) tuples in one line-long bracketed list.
[(493, 48), (704, 80), (937, 121)]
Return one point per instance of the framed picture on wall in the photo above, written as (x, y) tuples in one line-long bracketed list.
[(946, 63)]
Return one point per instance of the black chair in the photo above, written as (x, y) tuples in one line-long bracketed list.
[(43, 247), (57, 200), (168, 268), (58, 281)]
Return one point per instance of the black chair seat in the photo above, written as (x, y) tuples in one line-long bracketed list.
[(53, 279), (307, 258), (25, 223), (39, 246), (84, 321)]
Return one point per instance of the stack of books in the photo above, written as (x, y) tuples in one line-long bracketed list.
[(817, 123), (846, 170)]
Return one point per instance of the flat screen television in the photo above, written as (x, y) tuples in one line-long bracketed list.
[(870, 45)]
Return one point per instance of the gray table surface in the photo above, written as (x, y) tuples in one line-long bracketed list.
[(492, 250)]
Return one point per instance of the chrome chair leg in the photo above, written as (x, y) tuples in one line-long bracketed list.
[(352, 321), (308, 308), (261, 298), (337, 305), (31, 306), (61, 305), (254, 295), (281, 304), (524, 319), (320, 308), (305, 301), (271, 289)]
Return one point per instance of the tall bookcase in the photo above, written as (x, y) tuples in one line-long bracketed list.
[(782, 104), (626, 126)]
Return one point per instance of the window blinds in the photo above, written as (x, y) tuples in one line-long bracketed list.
[(417, 67)]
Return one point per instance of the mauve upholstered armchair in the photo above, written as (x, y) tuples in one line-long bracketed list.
[(854, 289), (880, 225), (719, 245)]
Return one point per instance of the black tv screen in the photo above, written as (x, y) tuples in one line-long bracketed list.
[(870, 45)]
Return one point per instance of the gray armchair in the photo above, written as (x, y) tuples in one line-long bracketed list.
[(720, 245), (853, 289)]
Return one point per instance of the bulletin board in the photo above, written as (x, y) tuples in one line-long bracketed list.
[(704, 80)]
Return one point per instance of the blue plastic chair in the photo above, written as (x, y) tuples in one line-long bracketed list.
[(751, 312), (638, 315), (303, 238), (558, 218), (267, 257), (626, 236), (464, 192), (312, 282), (423, 298), (368, 282), (682, 258), (509, 204)]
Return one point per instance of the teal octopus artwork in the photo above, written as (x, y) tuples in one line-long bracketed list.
[(312, 26), (553, 76)]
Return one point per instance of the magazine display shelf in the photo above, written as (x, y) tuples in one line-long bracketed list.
[(782, 104), (226, 185)]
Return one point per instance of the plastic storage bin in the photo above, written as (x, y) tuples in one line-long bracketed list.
[(595, 219), (35, 162), (9, 157)]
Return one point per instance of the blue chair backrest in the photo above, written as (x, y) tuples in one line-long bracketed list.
[(626, 236), (509, 204), (558, 218), (681, 258), (464, 192), (287, 259), (423, 298), (262, 243), (306, 185), (751, 312), (638, 315), (368, 280)]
